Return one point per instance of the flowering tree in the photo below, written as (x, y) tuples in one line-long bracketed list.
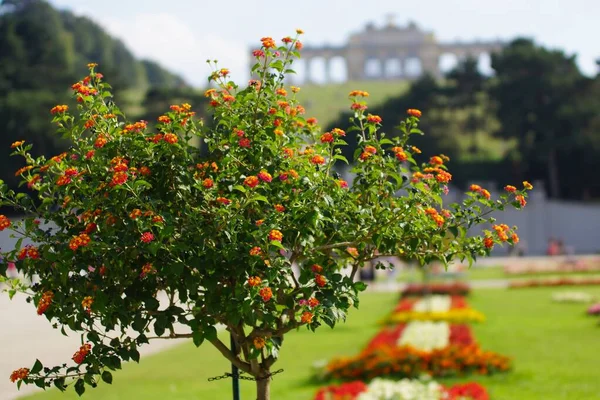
[(127, 216)]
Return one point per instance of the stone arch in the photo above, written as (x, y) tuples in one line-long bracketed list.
[(299, 66), (316, 70), (338, 69), (484, 64), (393, 68), (413, 67), (373, 68), (447, 62)]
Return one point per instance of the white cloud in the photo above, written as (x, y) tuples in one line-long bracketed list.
[(164, 38)]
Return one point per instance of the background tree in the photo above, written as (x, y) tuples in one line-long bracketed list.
[(42, 51), (534, 90)]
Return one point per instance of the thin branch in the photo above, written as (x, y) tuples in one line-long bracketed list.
[(244, 366)]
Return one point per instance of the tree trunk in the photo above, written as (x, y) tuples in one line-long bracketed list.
[(263, 388)]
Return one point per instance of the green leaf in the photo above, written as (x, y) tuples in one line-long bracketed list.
[(107, 377), (37, 367), (59, 383), (80, 387), (259, 197), (240, 188), (360, 286), (210, 333), (198, 338)]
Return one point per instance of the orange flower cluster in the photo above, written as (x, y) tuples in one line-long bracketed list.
[(275, 235), (223, 200), (279, 208), (316, 268), (82, 353), (45, 302), (521, 199), (407, 362), (327, 137), (268, 42), (488, 242), (259, 342), (87, 302), (320, 280), (510, 188), (342, 183), (119, 178), (79, 241), (254, 281), (147, 237), (265, 293), (437, 218), (4, 222), (353, 251), (135, 127), (21, 171), (413, 112), (255, 251), (306, 317), (207, 183), (317, 160), (29, 252), (147, 269), (375, 119), (19, 374), (251, 181), (527, 185), (358, 93), (265, 176), (480, 190), (100, 141), (399, 153), (59, 109), (170, 138)]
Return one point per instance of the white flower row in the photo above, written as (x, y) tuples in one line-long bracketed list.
[(573, 297), (434, 303), (406, 389), (425, 335)]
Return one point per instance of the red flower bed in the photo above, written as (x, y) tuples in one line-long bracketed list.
[(407, 304), (346, 391), (407, 362), (553, 282), (471, 390), (387, 337), (460, 335), (452, 289)]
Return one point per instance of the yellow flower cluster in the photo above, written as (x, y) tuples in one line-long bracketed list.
[(457, 315)]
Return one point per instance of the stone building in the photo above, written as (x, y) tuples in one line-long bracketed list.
[(391, 52)]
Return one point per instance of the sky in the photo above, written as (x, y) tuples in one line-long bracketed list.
[(183, 34)]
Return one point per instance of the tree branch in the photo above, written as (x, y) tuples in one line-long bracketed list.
[(230, 356)]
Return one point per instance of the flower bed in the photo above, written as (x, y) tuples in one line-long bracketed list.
[(573, 297), (452, 289), (392, 336), (405, 389), (434, 308), (553, 282), (407, 362), (594, 309)]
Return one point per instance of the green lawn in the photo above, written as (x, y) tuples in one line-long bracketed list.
[(554, 346), (326, 102)]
